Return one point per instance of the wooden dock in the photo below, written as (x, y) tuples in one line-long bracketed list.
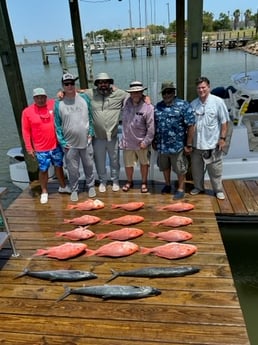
[(198, 309)]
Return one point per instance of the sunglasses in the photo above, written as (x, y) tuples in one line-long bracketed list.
[(69, 83), (168, 92)]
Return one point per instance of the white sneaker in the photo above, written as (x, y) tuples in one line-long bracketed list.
[(74, 196), (65, 189), (44, 198), (220, 196), (102, 188), (92, 192), (115, 187)]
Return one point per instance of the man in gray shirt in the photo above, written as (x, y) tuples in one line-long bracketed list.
[(73, 120)]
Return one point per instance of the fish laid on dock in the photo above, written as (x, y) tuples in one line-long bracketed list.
[(130, 206), (172, 250), (64, 251), (114, 249), (121, 234), (80, 233), (112, 292), (176, 207), (87, 205), (59, 275), (83, 220), (172, 235), (125, 220), (174, 221), (156, 272)]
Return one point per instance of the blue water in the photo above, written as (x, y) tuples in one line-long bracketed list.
[(241, 242)]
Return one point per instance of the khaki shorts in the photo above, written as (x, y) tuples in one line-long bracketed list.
[(131, 157), (177, 161)]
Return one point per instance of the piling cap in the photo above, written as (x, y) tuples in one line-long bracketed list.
[(136, 86), (167, 85), (39, 91), (68, 76), (103, 76)]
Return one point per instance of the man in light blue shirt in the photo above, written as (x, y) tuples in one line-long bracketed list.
[(212, 118)]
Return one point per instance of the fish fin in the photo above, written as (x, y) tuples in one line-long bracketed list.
[(114, 275), (100, 237), (65, 294), (22, 274)]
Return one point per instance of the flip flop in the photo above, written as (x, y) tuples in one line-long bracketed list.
[(127, 186), (144, 188)]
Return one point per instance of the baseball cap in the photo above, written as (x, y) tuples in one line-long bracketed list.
[(39, 91), (68, 76), (167, 85)]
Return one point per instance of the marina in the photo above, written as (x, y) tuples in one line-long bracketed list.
[(197, 309)]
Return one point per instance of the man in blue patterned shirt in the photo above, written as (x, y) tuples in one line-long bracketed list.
[(174, 129)]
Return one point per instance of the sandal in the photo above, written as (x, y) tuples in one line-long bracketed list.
[(144, 188), (127, 186)]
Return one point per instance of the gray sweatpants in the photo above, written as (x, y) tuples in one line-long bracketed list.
[(73, 157), (102, 147)]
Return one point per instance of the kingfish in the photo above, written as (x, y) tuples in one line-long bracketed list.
[(156, 272), (112, 291), (59, 275)]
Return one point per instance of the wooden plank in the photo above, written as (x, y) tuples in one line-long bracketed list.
[(198, 309), (234, 198)]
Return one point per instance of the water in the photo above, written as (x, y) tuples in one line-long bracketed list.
[(240, 241)]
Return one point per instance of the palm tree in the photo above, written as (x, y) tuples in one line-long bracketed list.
[(236, 15), (247, 15)]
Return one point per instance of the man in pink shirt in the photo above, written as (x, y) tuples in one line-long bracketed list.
[(39, 135)]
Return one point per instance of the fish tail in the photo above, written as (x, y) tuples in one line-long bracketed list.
[(152, 234), (114, 275), (89, 252), (100, 237), (71, 207), (40, 252), (144, 250), (65, 294), (114, 206), (106, 221), (58, 234), (67, 221), (22, 274), (154, 223)]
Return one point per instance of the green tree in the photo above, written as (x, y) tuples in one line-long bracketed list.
[(207, 19), (247, 14), (236, 15), (223, 23)]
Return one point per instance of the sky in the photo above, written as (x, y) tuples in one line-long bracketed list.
[(46, 20)]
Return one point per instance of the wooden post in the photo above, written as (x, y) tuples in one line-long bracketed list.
[(78, 43), (194, 44), (180, 48), (44, 55), (14, 82)]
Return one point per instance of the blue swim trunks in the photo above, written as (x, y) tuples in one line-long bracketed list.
[(46, 158)]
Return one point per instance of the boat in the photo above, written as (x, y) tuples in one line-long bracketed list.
[(18, 169)]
